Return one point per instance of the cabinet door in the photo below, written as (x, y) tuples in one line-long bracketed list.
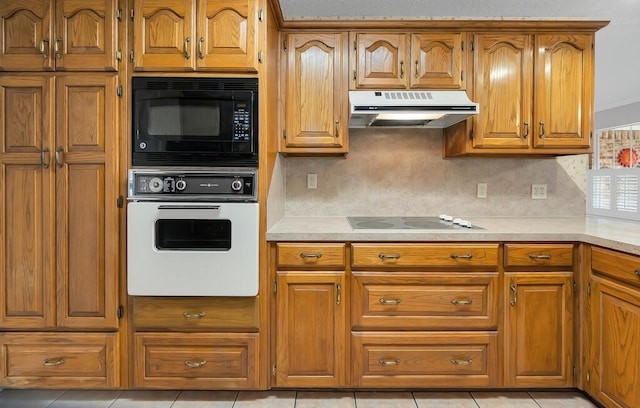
[(503, 86), (563, 91), (311, 330), (615, 349), (86, 192), (27, 35), (539, 331), (86, 35), (316, 107), (227, 34), (163, 35), (437, 61), (381, 60), (26, 203)]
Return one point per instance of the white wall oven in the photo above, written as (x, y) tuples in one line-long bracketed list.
[(192, 232)]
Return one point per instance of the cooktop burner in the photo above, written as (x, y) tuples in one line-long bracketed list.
[(444, 222)]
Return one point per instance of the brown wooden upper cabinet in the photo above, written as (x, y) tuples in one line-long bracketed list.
[(403, 61), (535, 93), (63, 35), (187, 35), (315, 87)]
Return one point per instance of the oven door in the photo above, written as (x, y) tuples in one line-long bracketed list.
[(192, 249)]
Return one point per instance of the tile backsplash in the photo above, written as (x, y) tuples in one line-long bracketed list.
[(402, 172)]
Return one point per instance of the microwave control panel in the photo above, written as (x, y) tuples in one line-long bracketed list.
[(241, 123)]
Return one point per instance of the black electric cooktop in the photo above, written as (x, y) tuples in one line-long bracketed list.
[(431, 223)]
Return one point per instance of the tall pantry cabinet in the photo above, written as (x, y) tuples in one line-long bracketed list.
[(58, 194)]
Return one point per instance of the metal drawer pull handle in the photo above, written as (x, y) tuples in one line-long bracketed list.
[(306, 255), (515, 294), (542, 131), (526, 130), (637, 273), (198, 315), (43, 158), (52, 363), (463, 302), (541, 256), (465, 256), (389, 362), (464, 362), (384, 301), (338, 294), (389, 256), (195, 364)]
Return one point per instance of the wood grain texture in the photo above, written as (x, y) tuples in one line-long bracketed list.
[(311, 255), (438, 61), (424, 255), (538, 255), (382, 60), (616, 265)]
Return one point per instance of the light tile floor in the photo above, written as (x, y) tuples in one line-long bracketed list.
[(289, 399)]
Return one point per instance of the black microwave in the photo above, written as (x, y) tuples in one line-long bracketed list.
[(191, 121)]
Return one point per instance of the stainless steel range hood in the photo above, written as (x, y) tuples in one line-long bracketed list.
[(429, 109)]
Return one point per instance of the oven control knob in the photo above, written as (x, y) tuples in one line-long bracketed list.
[(181, 185), (236, 185), (156, 185)]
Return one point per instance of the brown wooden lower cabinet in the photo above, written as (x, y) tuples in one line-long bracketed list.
[(425, 359), (59, 360), (196, 360)]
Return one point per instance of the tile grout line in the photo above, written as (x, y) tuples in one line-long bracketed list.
[(474, 399), (534, 400)]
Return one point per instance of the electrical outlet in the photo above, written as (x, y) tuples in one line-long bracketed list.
[(481, 191), (538, 191), (312, 181)]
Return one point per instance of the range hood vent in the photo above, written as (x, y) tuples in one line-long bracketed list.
[(428, 109)]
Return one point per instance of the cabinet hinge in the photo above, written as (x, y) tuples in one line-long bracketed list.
[(274, 370), (260, 14), (119, 14), (462, 47), (274, 287), (120, 202), (120, 312), (131, 14), (575, 371), (355, 45), (588, 376), (119, 55), (462, 75), (119, 91), (575, 287), (260, 57), (131, 55), (471, 134), (589, 289), (284, 45), (284, 133), (473, 46), (354, 75)]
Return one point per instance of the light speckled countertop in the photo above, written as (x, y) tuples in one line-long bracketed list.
[(613, 234)]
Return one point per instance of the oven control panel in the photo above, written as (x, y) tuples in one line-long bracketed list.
[(183, 185)]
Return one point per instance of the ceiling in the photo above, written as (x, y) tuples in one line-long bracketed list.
[(617, 45)]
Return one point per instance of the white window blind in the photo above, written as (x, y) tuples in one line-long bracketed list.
[(614, 193)]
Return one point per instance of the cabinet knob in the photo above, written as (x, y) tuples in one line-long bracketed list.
[(637, 272)]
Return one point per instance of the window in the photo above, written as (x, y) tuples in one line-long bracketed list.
[(614, 182)]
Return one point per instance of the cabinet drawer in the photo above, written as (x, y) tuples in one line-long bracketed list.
[(424, 255), (424, 301), (420, 359), (537, 255), (616, 265), (195, 313), (312, 255), (196, 360), (59, 360)]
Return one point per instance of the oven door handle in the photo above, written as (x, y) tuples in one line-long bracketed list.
[(188, 207)]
